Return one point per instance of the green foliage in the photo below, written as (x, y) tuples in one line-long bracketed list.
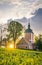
[(20, 57), (39, 42), (14, 29), (4, 41)]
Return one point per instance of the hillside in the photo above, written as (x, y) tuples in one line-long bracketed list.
[(20, 57)]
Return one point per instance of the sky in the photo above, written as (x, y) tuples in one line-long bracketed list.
[(17, 9)]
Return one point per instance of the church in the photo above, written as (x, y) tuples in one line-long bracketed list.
[(27, 42)]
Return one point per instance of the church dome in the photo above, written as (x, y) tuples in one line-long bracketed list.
[(28, 30)]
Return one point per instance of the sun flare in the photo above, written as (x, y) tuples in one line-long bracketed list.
[(11, 46)]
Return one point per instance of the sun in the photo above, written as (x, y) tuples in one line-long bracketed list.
[(11, 46)]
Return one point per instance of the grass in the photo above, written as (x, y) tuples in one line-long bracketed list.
[(20, 57)]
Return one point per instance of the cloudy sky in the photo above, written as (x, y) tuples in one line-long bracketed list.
[(18, 8)]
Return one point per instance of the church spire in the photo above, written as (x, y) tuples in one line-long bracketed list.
[(29, 25)]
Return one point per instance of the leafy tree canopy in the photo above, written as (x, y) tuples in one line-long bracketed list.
[(15, 30), (39, 42)]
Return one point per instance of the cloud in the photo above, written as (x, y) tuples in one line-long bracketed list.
[(18, 8), (35, 21)]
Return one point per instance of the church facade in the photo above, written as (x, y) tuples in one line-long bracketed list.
[(27, 42)]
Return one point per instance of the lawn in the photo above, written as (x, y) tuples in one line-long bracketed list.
[(20, 57)]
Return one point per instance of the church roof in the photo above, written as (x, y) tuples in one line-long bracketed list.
[(28, 30), (23, 40)]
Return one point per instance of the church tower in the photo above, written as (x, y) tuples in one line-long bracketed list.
[(29, 35)]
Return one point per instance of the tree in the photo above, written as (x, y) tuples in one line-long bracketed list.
[(4, 41), (14, 29), (39, 42)]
